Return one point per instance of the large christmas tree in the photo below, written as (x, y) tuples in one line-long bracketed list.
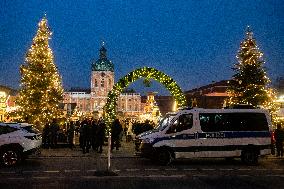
[(250, 84), (41, 89)]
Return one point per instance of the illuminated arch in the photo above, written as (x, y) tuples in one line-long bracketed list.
[(148, 73)]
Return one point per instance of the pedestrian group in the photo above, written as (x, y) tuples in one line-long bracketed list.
[(92, 133)]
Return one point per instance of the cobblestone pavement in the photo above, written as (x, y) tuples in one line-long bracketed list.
[(126, 150), (70, 168)]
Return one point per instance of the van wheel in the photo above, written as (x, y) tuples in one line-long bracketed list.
[(10, 156), (249, 157), (164, 157)]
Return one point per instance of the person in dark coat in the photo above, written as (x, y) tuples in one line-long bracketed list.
[(279, 138), (77, 127), (45, 136), (100, 136), (147, 126), (94, 135), (85, 134), (80, 131), (116, 129), (70, 134), (54, 128), (136, 128)]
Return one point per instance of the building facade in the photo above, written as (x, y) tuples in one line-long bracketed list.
[(8, 98), (151, 109), (90, 102), (208, 96)]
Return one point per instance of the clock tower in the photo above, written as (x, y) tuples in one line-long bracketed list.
[(102, 80)]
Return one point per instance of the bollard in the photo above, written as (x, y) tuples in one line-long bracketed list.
[(109, 151)]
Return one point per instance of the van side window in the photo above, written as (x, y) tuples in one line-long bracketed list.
[(207, 122), (214, 122), (6, 129), (184, 122), (248, 122)]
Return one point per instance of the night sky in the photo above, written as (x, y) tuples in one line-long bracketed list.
[(194, 42)]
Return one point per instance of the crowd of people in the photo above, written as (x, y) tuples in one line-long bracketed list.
[(92, 133), (50, 134)]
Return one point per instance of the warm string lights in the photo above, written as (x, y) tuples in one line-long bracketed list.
[(41, 89), (250, 84), (147, 73)]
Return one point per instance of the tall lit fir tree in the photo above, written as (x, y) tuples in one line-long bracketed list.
[(40, 89), (250, 84)]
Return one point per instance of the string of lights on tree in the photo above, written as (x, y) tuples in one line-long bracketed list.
[(147, 73), (40, 89), (250, 84)]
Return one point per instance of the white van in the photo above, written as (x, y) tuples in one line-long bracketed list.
[(229, 133)]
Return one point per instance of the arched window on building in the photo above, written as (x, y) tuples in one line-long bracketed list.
[(95, 105), (96, 83), (102, 83)]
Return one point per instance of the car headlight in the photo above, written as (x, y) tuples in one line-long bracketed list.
[(31, 137)]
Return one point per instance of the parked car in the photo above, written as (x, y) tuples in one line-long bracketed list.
[(17, 141)]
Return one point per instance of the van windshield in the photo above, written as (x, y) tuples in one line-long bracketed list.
[(31, 129), (164, 122)]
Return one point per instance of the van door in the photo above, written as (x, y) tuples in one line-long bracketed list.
[(212, 140), (180, 136)]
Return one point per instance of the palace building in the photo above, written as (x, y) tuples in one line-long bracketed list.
[(90, 102)]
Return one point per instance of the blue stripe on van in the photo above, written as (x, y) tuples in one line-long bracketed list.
[(218, 148), (175, 137), (225, 135), (240, 134)]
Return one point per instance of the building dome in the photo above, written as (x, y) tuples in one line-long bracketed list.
[(102, 64)]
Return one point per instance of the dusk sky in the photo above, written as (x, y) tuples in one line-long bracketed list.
[(193, 41)]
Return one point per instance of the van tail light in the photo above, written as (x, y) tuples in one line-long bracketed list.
[(272, 137)]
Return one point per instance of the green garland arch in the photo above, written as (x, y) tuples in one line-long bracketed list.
[(145, 72)]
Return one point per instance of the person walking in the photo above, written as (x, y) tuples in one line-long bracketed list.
[(279, 138), (85, 136), (94, 135), (70, 134), (100, 135), (80, 131), (77, 127), (116, 129), (45, 136), (54, 128)]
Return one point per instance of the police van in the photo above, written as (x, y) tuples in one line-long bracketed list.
[(196, 133)]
